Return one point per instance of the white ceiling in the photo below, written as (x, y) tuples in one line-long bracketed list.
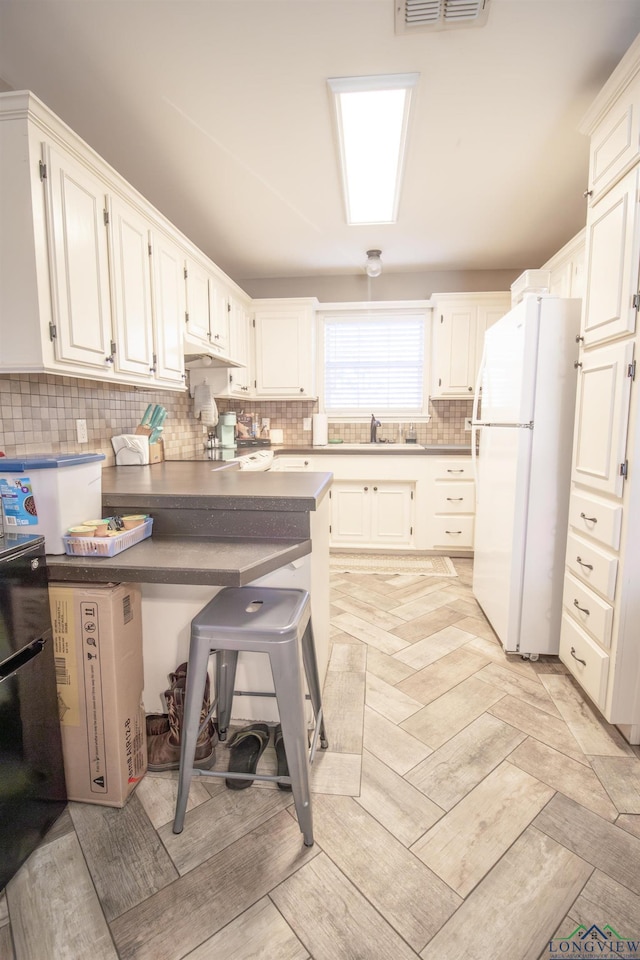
[(218, 112)]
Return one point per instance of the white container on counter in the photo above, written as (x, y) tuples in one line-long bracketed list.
[(46, 494)]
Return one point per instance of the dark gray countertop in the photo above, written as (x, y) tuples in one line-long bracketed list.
[(222, 563), (376, 450), (197, 484)]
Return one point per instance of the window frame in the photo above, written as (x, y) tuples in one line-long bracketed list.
[(365, 311)]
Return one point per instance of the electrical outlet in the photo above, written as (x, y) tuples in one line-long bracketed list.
[(81, 431), (306, 423), (467, 423)]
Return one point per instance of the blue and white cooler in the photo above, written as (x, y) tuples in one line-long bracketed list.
[(46, 494)]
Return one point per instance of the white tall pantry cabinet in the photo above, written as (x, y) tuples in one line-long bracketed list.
[(600, 635)]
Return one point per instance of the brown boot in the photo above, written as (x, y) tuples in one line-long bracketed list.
[(163, 749)]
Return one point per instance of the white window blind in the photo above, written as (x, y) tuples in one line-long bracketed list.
[(374, 364)]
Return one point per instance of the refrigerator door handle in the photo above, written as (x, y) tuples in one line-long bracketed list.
[(13, 663), (474, 420)]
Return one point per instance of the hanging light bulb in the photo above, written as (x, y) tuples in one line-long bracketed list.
[(373, 265)]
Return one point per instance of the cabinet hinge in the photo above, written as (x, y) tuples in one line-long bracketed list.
[(106, 217), (635, 303), (228, 306), (411, 531), (254, 322), (441, 318), (186, 317), (624, 468), (631, 370), (329, 528), (112, 347), (412, 494), (149, 248), (439, 381), (43, 171), (255, 384), (186, 273), (329, 494), (53, 331)]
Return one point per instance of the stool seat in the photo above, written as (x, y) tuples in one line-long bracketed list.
[(255, 620)]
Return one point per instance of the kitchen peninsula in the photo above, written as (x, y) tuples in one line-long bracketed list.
[(213, 528)]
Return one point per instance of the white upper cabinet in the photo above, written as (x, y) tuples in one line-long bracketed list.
[(132, 307), (613, 248), (459, 325), (169, 308), (566, 268), (79, 263), (284, 348), (197, 325), (220, 310), (615, 137)]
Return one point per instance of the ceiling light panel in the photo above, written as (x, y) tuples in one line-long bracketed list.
[(372, 115)]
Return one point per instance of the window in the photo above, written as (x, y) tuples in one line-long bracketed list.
[(374, 362)]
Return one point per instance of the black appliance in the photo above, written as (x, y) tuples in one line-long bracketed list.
[(32, 786), (252, 442)]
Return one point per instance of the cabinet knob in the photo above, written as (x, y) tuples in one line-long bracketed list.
[(453, 531), (455, 499), (470, 389), (579, 339), (581, 609), (587, 193), (575, 657), (588, 566), (301, 389), (375, 489), (577, 364), (589, 519), (366, 488)]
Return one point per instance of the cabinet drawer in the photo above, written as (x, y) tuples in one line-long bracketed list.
[(593, 614), (455, 497), (584, 658), (453, 532), (592, 565), (455, 470), (597, 519)]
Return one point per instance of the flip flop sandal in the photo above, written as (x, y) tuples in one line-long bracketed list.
[(246, 747), (283, 766)]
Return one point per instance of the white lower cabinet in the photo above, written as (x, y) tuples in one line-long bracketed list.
[(376, 513)]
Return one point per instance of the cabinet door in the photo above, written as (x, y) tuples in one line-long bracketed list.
[(284, 351), (168, 303), (197, 301), (602, 414), (391, 512), (79, 264), (131, 288), (351, 513), (220, 308), (612, 263), (455, 351)]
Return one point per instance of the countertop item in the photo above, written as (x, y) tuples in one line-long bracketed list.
[(377, 449)]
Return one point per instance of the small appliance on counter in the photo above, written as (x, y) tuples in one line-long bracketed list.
[(226, 431)]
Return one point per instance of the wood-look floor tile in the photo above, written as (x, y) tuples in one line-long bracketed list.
[(439, 721), (337, 773), (6, 945), (387, 668), (339, 636), (598, 842), (180, 917), (376, 596), (367, 632), (343, 702), (212, 826), (464, 845), (158, 797), (604, 901), (593, 733), (620, 777), (420, 587), (332, 918), (260, 933), (432, 681), (421, 605), (430, 623), (54, 908), (448, 774), (534, 884), (348, 656), (539, 725), (407, 894), (380, 618), (630, 823), (386, 741), (493, 651), (466, 606), (420, 654), (567, 776), (388, 700), (531, 691), (62, 826), (125, 857), (401, 808), (4, 910)]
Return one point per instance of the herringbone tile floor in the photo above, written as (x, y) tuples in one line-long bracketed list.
[(471, 805)]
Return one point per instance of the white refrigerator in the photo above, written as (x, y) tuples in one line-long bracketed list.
[(523, 422)]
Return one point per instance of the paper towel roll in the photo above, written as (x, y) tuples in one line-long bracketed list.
[(320, 429)]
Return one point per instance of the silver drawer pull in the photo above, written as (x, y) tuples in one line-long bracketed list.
[(454, 471), (454, 499), (590, 519), (453, 531), (589, 566), (573, 654), (581, 609)]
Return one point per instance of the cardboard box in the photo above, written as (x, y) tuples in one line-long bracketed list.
[(97, 635)]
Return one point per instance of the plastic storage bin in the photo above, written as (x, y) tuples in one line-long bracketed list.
[(107, 546), (46, 494)]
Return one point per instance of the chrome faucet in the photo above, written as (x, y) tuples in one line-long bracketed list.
[(374, 428)]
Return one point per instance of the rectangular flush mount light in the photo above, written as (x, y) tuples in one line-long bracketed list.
[(372, 115)]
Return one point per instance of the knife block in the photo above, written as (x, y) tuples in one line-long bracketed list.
[(156, 450)]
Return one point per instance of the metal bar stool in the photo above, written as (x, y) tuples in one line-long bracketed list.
[(256, 620)]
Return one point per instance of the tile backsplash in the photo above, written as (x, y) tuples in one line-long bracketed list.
[(39, 412)]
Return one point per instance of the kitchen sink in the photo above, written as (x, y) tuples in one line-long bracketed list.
[(375, 447)]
